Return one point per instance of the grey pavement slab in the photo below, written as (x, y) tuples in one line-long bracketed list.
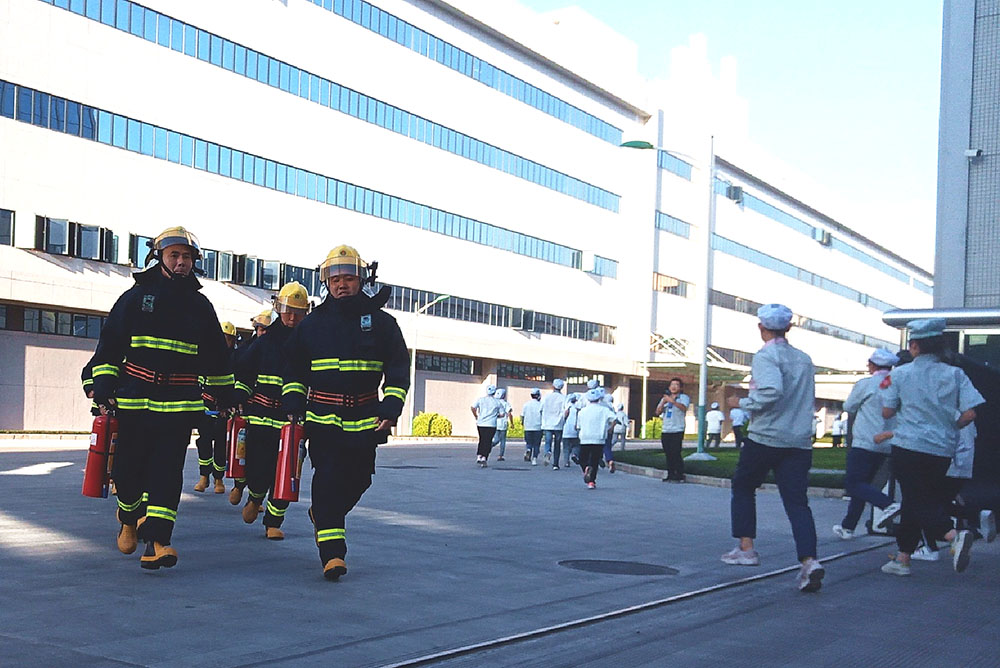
[(443, 554)]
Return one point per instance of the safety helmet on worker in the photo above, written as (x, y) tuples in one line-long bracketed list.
[(228, 328), (262, 319), (343, 260), (292, 297), (172, 236)]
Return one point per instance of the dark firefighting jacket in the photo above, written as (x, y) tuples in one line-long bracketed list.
[(337, 358), (259, 380), (161, 335), (211, 393)]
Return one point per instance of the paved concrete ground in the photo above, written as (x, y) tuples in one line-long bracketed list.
[(444, 555)]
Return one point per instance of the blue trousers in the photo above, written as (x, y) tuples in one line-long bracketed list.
[(862, 465), (532, 441), (553, 441), (791, 472)]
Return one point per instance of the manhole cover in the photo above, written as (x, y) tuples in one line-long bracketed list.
[(617, 567), (406, 466)]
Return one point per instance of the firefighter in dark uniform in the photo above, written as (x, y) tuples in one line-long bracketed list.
[(259, 323), (170, 335), (259, 383), (211, 441), (337, 359)]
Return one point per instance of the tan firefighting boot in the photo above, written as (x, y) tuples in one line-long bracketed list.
[(158, 555), (220, 487), (127, 538), (334, 569), (250, 511), (202, 484), (236, 495), (274, 533)]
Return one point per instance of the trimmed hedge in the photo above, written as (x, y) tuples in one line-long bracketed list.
[(515, 429), (431, 424), (654, 427)]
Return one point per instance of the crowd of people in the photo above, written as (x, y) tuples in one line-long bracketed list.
[(165, 365), (569, 432)]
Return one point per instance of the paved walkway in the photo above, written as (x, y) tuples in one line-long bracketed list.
[(445, 555)]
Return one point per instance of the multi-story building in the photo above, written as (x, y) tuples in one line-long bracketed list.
[(477, 164)]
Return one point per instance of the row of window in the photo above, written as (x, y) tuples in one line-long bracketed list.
[(733, 356), (673, 164), (742, 305), (735, 249), (532, 372), (25, 319), (670, 285), (580, 377), (160, 143), (6, 227), (184, 38), (406, 34), (62, 237), (774, 213), (498, 315), (669, 223), (464, 366)]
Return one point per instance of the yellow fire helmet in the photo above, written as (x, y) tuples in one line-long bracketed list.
[(262, 319), (171, 237), (228, 328), (292, 297), (343, 260)]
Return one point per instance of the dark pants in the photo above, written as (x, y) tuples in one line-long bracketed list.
[(837, 440), (590, 458), (714, 438), (485, 440), (553, 443), (740, 434), (671, 444), (791, 472), (262, 458), (532, 441), (211, 446), (922, 481), (862, 465), (609, 455), (341, 476), (149, 458)]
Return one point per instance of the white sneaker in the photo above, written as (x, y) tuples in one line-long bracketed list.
[(924, 553), (961, 545), (534, 461), (811, 576), (893, 567), (884, 517), (738, 557), (988, 525), (842, 533)]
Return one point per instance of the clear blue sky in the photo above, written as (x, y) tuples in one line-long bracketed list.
[(846, 92)]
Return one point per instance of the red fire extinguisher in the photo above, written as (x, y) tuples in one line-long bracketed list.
[(103, 439), (291, 454), (236, 447)]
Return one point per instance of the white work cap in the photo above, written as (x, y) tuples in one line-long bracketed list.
[(925, 328), (558, 383), (884, 357), (774, 316)]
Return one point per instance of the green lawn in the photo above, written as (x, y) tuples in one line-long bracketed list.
[(725, 463)]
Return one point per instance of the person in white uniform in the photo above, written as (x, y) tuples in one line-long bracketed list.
[(713, 425), (486, 409)]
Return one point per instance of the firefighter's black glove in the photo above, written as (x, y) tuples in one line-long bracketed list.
[(294, 403), (104, 391)]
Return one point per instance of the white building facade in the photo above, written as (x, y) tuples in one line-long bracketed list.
[(467, 160)]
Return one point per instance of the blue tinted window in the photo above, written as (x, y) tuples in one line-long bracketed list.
[(136, 24), (94, 10), (190, 40), (228, 54), (121, 15), (147, 139), (200, 154), (213, 158), (149, 26), (237, 165), (108, 13), (176, 35), (24, 104), (132, 135), (72, 118), (173, 147), (187, 150), (240, 65), (273, 70), (40, 111), (225, 161), (104, 127), (247, 167), (215, 56), (160, 143), (204, 45), (163, 31), (119, 131)]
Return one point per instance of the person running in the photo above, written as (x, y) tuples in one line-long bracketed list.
[(713, 425), (531, 418), (503, 422), (570, 434), (592, 422), (869, 448), (925, 396), (781, 404), (486, 409)]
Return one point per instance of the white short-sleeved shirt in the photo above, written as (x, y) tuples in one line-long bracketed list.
[(673, 419), (487, 410), (713, 421), (531, 414), (502, 421)]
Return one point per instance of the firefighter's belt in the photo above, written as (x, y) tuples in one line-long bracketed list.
[(158, 377), (342, 399), (265, 401)]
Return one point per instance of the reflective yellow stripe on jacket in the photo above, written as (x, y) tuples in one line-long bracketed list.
[(165, 344), (269, 380), (391, 391), (293, 387), (105, 370), (220, 380), (265, 422), (347, 425), (335, 364), (144, 404)]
